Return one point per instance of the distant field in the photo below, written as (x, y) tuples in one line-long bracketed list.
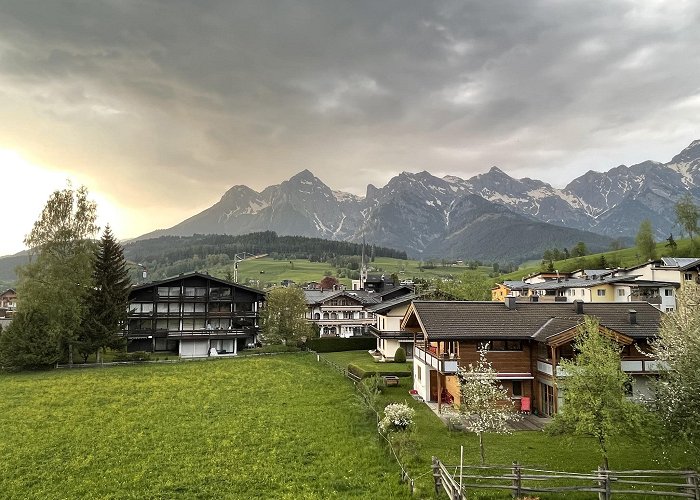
[(267, 270), (272, 427)]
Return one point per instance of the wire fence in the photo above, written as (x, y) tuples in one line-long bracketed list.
[(405, 476)]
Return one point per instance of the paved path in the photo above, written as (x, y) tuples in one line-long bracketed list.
[(527, 422)]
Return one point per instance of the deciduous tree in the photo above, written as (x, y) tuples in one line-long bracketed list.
[(485, 405), (678, 352), (646, 246), (687, 217), (595, 403), (53, 287), (283, 317)]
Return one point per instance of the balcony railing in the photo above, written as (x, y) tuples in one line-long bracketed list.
[(441, 363), (628, 366)]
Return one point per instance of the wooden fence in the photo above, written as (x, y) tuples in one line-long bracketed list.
[(521, 481)]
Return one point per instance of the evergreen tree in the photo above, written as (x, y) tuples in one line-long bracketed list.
[(24, 343), (108, 301), (645, 241)]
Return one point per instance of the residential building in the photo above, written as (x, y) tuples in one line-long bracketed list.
[(193, 315), (340, 313), (388, 315), (526, 341), (8, 302)]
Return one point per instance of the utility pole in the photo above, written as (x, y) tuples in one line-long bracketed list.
[(239, 257)]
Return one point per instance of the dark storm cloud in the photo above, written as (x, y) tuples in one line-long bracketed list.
[(161, 97)]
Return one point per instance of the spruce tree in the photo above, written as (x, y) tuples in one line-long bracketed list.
[(109, 298)]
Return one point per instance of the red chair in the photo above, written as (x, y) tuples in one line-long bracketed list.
[(525, 404)]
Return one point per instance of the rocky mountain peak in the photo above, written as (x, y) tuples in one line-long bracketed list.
[(692, 152)]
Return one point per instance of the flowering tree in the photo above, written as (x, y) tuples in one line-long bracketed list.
[(678, 352), (398, 417), (485, 405)]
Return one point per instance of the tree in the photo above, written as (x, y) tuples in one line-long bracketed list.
[(595, 403), (579, 249), (53, 286), (108, 299), (645, 241), (23, 344), (484, 403), (283, 318), (672, 245), (678, 351), (687, 216), (329, 283)]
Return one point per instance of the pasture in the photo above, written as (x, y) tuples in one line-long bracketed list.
[(274, 426)]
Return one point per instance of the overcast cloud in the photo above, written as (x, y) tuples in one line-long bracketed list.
[(164, 105)]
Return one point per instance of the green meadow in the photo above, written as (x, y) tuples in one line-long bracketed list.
[(282, 426)]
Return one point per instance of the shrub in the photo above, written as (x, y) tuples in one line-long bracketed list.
[(398, 417), (362, 373), (338, 344), (368, 394), (400, 355), (132, 356)]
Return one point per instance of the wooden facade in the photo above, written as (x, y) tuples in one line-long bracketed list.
[(527, 357)]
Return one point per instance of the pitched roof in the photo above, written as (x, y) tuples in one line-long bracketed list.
[(319, 296), (484, 320), (682, 263), (579, 282), (385, 305), (198, 275)]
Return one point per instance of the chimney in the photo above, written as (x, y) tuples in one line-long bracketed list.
[(510, 302), (578, 304), (633, 317)]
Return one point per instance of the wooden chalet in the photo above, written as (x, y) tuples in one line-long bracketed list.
[(526, 342), (192, 314)]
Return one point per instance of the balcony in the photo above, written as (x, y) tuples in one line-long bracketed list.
[(441, 363), (628, 366)]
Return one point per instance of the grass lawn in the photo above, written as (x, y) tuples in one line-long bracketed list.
[(277, 427), (529, 448), (366, 362)]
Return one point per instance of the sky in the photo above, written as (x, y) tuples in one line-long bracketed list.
[(159, 107)]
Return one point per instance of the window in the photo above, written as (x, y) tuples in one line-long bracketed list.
[(620, 292), (517, 388), (419, 371), (168, 291), (501, 345), (668, 292), (688, 276), (317, 316), (669, 309), (601, 293), (141, 308)]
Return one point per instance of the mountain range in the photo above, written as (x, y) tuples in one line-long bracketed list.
[(490, 216)]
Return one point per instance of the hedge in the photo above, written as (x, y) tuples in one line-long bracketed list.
[(337, 344), (362, 373)]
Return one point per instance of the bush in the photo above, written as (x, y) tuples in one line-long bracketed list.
[(362, 373), (400, 355), (397, 417), (132, 356), (338, 344)]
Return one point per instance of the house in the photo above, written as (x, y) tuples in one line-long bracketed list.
[(8, 299), (340, 313), (387, 326), (192, 313), (526, 341)]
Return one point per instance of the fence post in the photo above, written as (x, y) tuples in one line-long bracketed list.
[(604, 484), (413, 487), (693, 485), (517, 486), (436, 476)]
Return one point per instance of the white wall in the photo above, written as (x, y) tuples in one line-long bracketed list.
[(422, 383)]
